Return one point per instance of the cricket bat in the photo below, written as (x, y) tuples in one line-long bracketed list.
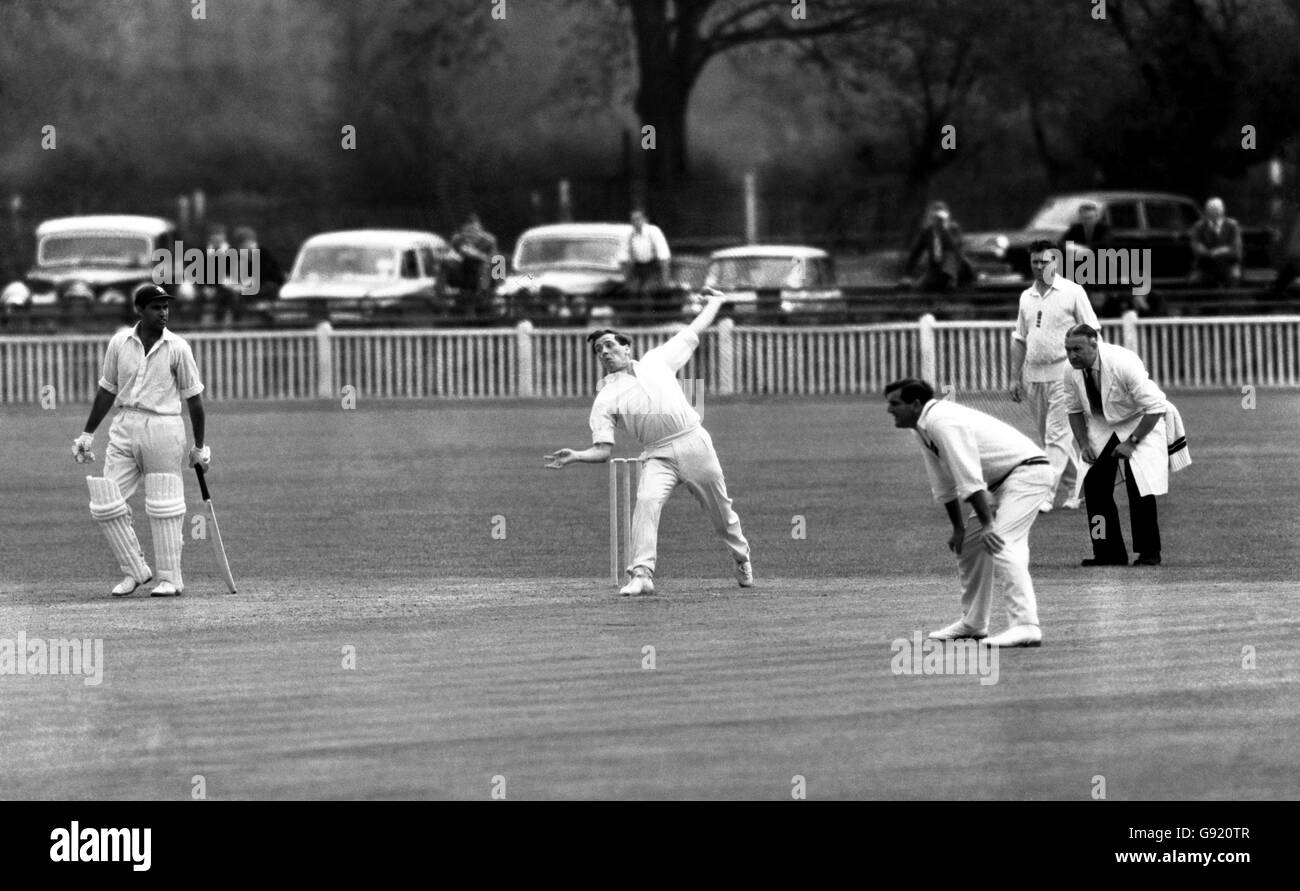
[(217, 545)]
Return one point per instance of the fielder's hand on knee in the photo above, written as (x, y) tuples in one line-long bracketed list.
[(989, 540), (201, 456), (81, 452)]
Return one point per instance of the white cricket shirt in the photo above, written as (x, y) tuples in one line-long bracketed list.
[(156, 382), (647, 400), (966, 450), (1042, 322)]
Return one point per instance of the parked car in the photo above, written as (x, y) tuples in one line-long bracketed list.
[(1158, 221), (775, 283), (364, 275), (577, 272), (567, 271), (90, 262)]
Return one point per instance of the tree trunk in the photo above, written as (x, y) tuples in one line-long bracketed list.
[(667, 71)]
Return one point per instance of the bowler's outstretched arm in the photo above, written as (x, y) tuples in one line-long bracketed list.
[(597, 454)]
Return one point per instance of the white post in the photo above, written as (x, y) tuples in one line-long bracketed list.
[(565, 202), (929, 363), (524, 359), (325, 361), (1129, 321), (726, 357), (751, 208)]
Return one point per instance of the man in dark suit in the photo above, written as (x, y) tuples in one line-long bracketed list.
[(1090, 231), (939, 242), (1216, 242)]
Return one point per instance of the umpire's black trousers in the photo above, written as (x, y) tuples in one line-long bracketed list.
[(1103, 515)]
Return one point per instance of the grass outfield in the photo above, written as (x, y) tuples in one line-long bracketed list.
[(478, 657)]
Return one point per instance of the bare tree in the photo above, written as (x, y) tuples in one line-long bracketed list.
[(673, 42)]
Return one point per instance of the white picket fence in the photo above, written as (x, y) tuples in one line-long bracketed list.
[(524, 362)]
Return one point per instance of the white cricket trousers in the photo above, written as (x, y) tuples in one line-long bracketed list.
[(141, 442), (1052, 427), (1015, 505), (689, 459)]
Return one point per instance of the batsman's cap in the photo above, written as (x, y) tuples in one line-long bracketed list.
[(148, 293)]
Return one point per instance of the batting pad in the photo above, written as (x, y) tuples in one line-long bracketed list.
[(109, 509), (164, 502)]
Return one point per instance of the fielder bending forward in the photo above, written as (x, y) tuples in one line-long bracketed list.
[(644, 397), (147, 371), (963, 448)]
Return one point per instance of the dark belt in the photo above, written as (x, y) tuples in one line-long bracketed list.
[(1028, 462)]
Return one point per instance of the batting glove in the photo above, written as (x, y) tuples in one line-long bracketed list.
[(81, 452), (201, 456)]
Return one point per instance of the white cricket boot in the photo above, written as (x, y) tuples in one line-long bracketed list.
[(641, 583)]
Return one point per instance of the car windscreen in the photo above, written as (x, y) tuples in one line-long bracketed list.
[(761, 272), (561, 251), (345, 261), (1056, 213), (84, 250)]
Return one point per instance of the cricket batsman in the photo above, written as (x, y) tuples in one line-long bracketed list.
[(147, 371), (644, 397)]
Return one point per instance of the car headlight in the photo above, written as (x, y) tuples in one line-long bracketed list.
[(1000, 245), (514, 284), (15, 294), (112, 296)]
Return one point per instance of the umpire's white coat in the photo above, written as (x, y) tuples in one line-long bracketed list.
[(1127, 394)]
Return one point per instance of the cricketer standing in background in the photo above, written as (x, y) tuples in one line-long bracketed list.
[(645, 398), (963, 449), (1049, 307), (147, 371)]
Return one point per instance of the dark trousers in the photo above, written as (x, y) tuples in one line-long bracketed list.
[(1103, 516), (644, 282)]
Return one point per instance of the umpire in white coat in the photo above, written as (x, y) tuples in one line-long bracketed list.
[(1004, 477), (1117, 414)]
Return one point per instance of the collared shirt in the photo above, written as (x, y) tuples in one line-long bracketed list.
[(966, 450), (648, 245), (647, 400), (1127, 391), (1042, 322), (155, 382)]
